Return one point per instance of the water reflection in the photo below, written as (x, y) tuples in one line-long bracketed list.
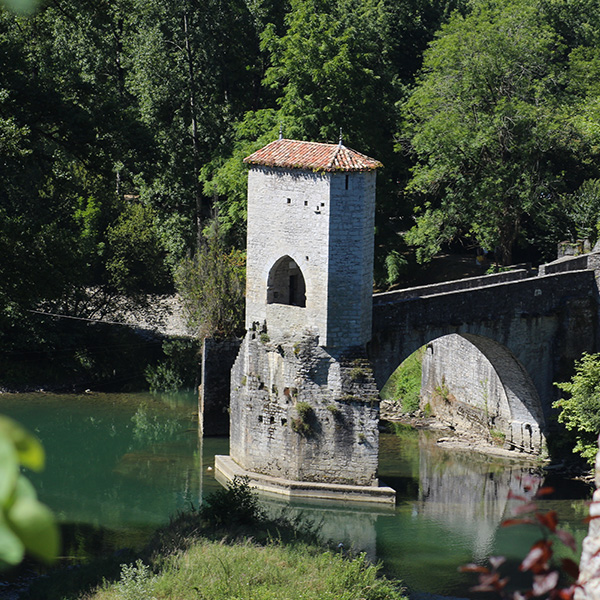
[(450, 507), (452, 515), (118, 466), (467, 494)]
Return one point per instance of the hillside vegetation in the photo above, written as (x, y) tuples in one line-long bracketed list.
[(123, 126)]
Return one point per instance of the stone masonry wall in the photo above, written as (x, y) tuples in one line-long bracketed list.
[(300, 413), (475, 385), (351, 247), (218, 357), (287, 216), (323, 222), (545, 322)]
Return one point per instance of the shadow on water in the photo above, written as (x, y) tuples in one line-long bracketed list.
[(119, 466)]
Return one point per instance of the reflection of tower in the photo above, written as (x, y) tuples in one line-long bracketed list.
[(303, 401)]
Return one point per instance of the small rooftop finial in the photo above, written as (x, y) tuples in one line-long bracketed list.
[(341, 138), (280, 131)]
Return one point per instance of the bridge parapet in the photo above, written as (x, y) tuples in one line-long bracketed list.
[(584, 262), (450, 286)]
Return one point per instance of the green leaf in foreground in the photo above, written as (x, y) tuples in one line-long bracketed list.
[(33, 523), (30, 451), (26, 525)]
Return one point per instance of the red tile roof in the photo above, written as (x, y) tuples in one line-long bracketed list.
[(293, 154)]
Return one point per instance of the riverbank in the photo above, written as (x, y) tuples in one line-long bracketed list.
[(469, 442), (229, 548)]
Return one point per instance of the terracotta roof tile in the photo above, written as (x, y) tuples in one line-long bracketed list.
[(294, 154)]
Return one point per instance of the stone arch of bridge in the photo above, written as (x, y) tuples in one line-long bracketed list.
[(475, 382), (286, 284)]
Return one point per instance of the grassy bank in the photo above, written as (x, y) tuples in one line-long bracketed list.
[(227, 550), (213, 570)]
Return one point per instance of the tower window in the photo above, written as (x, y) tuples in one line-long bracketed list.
[(286, 284), (347, 181)]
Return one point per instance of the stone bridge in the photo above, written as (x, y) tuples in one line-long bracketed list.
[(529, 328)]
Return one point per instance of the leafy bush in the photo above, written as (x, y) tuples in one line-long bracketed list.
[(237, 504), (137, 581), (136, 256), (211, 286), (582, 211), (179, 369), (396, 267), (302, 424), (581, 412)]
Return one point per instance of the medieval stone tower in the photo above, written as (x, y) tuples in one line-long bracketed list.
[(304, 406)]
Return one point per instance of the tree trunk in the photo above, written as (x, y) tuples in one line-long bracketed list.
[(194, 124)]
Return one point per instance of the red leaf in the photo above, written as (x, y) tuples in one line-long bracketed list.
[(525, 508), (570, 567), (497, 561), (567, 539), (542, 584), (549, 519), (509, 522), (490, 583), (564, 593), (473, 568), (537, 559), (544, 491), (513, 496)]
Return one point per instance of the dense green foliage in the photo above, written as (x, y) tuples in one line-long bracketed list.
[(499, 124), (404, 385), (580, 412), (123, 127), (215, 571), (211, 287)]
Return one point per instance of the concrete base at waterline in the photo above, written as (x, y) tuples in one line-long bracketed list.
[(226, 469)]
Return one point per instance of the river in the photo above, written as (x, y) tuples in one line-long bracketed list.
[(119, 465)]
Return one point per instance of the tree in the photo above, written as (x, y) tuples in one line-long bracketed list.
[(211, 286), (192, 71), (580, 412), (489, 130), (331, 65), (135, 262)]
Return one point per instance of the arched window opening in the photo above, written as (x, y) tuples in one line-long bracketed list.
[(286, 283)]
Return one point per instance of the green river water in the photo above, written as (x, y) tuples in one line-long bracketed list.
[(119, 465)]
